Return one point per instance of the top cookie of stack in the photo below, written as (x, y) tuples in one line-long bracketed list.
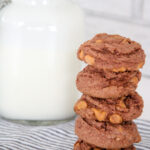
[(112, 53)]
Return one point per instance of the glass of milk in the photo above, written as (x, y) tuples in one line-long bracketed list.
[(38, 64)]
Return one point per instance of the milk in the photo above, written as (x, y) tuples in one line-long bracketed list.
[(38, 63)]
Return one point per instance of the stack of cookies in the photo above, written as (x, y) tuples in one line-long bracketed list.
[(109, 102)]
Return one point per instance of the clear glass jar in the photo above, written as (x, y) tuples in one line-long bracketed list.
[(38, 63)]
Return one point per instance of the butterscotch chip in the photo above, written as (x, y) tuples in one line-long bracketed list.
[(121, 106), (140, 65), (122, 69), (125, 41), (81, 105), (100, 115), (115, 119), (89, 59), (99, 41), (135, 80), (81, 55), (77, 144)]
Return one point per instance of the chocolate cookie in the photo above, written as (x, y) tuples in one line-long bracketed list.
[(112, 52), (106, 135), (114, 111), (103, 84), (81, 145)]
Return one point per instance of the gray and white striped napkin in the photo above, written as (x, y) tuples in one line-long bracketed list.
[(61, 137)]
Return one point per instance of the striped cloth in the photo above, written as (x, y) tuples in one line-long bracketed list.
[(61, 137)]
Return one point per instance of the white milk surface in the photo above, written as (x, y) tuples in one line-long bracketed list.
[(38, 64)]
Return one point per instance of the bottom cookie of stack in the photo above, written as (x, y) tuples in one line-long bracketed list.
[(106, 135), (81, 145)]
